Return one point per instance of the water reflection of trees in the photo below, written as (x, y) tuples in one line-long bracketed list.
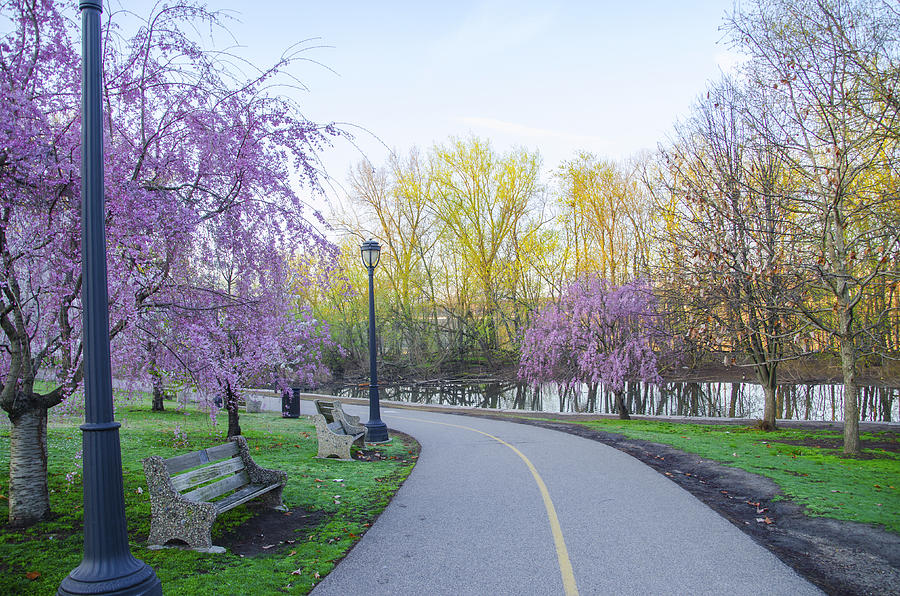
[(722, 399)]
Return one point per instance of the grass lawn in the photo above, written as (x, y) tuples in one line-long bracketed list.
[(35, 560), (806, 464)]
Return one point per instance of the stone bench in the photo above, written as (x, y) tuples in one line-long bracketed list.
[(336, 431), (189, 491)]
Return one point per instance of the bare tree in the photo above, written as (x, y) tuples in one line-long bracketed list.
[(723, 202), (815, 58)]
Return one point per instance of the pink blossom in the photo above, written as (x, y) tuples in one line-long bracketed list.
[(597, 333)]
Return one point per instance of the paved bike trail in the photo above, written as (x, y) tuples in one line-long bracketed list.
[(495, 508)]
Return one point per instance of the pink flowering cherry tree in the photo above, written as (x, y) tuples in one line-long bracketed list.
[(596, 333), (190, 141), (237, 320)]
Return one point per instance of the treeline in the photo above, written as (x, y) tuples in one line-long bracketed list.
[(767, 224), (473, 241)]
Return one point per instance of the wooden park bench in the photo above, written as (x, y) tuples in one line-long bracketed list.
[(189, 491), (336, 431)]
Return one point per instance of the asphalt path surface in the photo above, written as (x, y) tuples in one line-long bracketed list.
[(495, 507)]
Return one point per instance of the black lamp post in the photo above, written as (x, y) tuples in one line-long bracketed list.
[(376, 430), (107, 566)]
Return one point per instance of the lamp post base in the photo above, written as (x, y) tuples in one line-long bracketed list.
[(376, 432), (143, 581)]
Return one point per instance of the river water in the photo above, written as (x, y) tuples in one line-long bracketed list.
[(711, 399)]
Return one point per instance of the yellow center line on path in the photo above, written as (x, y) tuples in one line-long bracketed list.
[(562, 554)]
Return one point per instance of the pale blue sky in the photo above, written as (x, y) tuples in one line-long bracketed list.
[(606, 77)]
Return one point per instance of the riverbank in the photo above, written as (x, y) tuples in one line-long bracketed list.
[(789, 373), (692, 398)]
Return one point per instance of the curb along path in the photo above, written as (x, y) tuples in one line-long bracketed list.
[(494, 507)]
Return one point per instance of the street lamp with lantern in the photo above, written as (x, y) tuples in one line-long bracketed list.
[(376, 430)]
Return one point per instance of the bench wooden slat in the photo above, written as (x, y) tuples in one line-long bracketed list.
[(242, 496), (225, 450), (180, 463), (221, 469), (217, 489)]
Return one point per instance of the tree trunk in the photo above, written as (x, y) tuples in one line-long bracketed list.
[(158, 394), (851, 392), (620, 406), (231, 404), (779, 403), (29, 497), (789, 400), (886, 403), (767, 376), (156, 379), (592, 397)]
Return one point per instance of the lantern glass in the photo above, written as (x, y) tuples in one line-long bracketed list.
[(371, 253)]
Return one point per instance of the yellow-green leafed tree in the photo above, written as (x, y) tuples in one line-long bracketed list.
[(480, 199), (604, 209)]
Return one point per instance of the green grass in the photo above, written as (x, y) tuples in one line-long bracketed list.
[(29, 565), (813, 474)]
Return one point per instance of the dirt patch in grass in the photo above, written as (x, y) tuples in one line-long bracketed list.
[(839, 557), (268, 529)]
